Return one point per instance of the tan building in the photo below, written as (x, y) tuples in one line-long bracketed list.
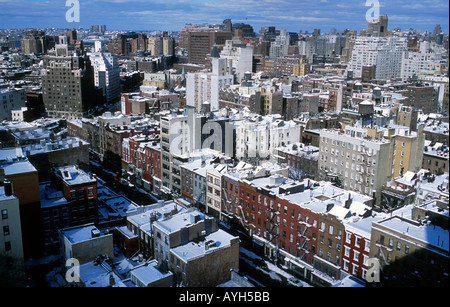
[(207, 263), (330, 245), (85, 243), (302, 68), (214, 191), (410, 253)]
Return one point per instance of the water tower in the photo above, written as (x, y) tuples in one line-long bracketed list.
[(366, 111)]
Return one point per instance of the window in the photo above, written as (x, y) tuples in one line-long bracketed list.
[(345, 265), (355, 270), (322, 226), (330, 229), (6, 230), (346, 251), (4, 214), (357, 241), (407, 249), (348, 237), (356, 256)]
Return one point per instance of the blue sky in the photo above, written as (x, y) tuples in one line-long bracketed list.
[(172, 15)]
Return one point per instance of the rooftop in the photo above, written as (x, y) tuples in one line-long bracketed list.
[(72, 175), (212, 242), (427, 233), (80, 233)]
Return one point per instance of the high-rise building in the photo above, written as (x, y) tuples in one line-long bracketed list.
[(106, 74), (280, 45), (72, 35), (384, 52), (68, 86), (378, 27), (12, 99), (36, 42), (241, 56), (161, 45), (204, 88), (200, 44), (98, 29)]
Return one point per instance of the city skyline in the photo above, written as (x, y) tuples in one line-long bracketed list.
[(293, 15)]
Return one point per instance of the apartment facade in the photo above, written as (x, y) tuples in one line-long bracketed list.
[(358, 163), (68, 86)]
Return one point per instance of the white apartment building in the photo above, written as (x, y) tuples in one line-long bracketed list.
[(258, 136), (384, 52), (241, 56), (362, 165), (106, 74), (204, 87)]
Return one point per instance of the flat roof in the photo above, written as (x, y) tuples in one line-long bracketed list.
[(193, 250), (427, 233)]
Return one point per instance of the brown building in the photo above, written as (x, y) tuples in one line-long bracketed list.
[(25, 181), (411, 253), (368, 73), (70, 199), (68, 86), (422, 97), (330, 245), (435, 158), (201, 43)]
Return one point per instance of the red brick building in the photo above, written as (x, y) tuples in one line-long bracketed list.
[(141, 156)]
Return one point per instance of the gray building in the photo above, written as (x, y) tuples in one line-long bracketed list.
[(68, 86)]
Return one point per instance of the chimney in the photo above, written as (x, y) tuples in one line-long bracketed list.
[(330, 206), (348, 202), (112, 281), (2, 176), (8, 188)]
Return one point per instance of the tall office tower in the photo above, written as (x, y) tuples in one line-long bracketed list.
[(35, 42), (329, 44), (246, 30), (204, 88), (227, 25), (307, 47), (106, 74), (350, 38), (200, 44), (161, 45), (138, 43), (119, 45), (68, 86), (98, 29), (72, 35), (280, 46), (168, 45), (378, 27)]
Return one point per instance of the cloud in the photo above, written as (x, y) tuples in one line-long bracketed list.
[(292, 15)]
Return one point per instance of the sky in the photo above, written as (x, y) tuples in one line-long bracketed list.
[(173, 15)]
